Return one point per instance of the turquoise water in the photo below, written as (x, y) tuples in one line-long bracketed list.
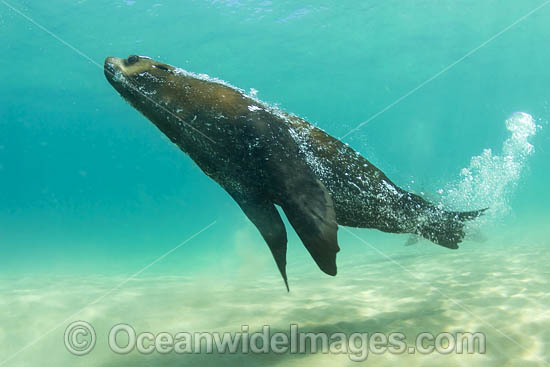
[(92, 193)]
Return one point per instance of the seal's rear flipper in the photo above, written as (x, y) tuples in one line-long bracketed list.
[(266, 218), (447, 228), (310, 211), (475, 235), (412, 240)]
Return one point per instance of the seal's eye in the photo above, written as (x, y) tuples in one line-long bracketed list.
[(133, 59)]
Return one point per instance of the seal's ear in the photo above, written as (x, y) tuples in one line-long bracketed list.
[(310, 210)]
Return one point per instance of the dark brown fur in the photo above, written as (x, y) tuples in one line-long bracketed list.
[(262, 156)]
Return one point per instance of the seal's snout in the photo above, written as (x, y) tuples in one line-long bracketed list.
[(109, 67), (131, 66), (114, 69)]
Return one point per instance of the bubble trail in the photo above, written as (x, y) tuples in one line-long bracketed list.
[(490, 179)]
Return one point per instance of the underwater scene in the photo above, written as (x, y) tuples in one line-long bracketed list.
[(274, 183)]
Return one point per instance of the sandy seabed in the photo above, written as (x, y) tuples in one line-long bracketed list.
[(501, 291)]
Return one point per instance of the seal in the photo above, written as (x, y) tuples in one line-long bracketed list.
[(264, 157)]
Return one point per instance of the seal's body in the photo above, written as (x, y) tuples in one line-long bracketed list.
[(265, 157)]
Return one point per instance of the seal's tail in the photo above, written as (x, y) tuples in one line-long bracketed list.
[(447, 228)]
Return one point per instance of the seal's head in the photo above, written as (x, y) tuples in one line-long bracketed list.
[(137, 75), (152, 87), (172, 98)]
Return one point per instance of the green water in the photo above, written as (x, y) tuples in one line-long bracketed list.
[(94, 199)]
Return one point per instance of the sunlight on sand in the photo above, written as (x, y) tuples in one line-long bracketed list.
[(501, 291)]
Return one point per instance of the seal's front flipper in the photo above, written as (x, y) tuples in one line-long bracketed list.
[(266, 218), (309, 208)]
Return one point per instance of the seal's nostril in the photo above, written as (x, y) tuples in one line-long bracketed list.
[(109, 68), (132, 59)]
